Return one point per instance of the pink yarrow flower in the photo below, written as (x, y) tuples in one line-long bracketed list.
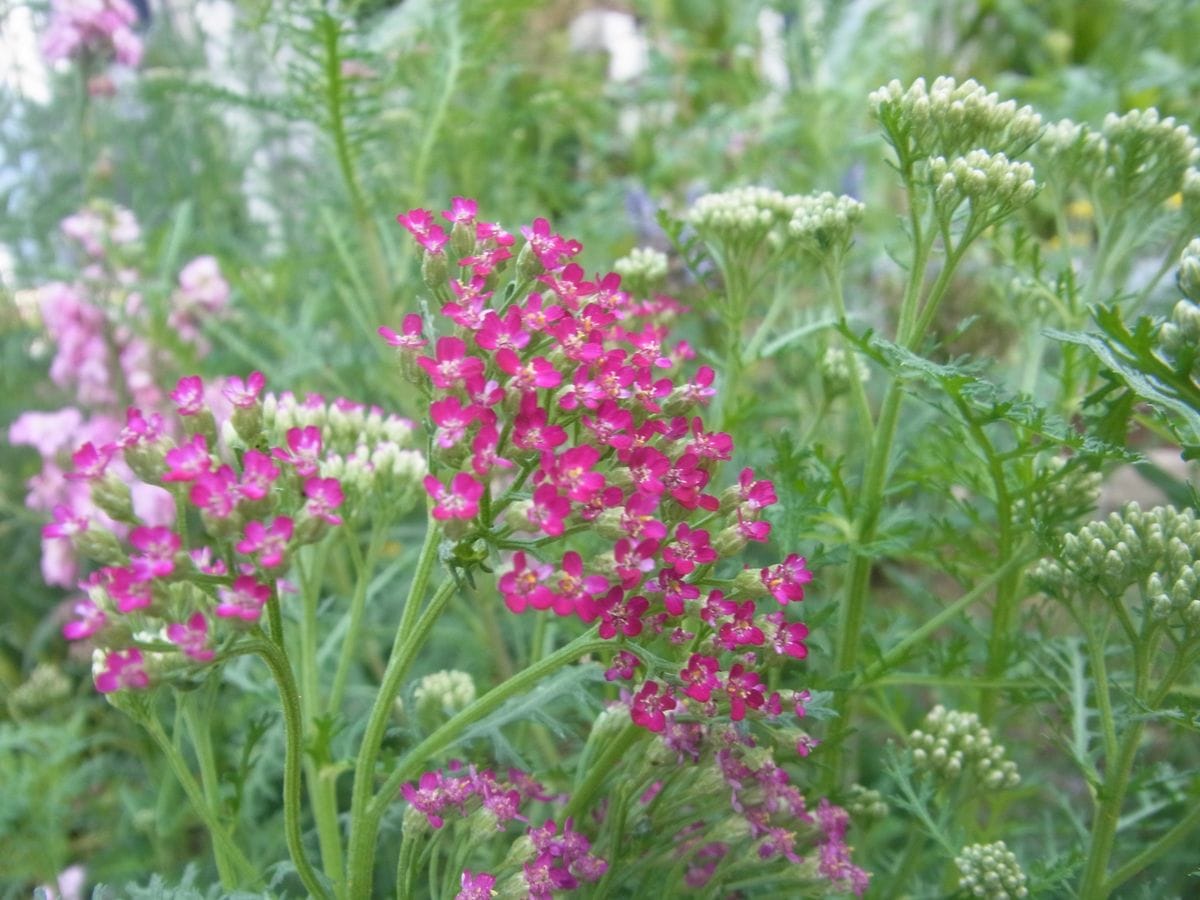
[(324, 496), (123, 670), (244, 600), (409, 339), (786, 581), (268, 543), (244, 393), (192, 637), (459, 501)]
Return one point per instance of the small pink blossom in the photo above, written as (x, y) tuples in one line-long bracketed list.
[(158, 547), (88, 620), (244, 600), (243, 394), (188, 395), (304, 450), (89, 462), (786, 581), (269, 543), (324, 496), (123, 670), (188, 461), (649, 708), (192, 637), (460, 501), (409, 339), (476, 887)]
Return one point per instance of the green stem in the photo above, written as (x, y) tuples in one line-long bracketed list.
[(322, 790), (617, 747), (197, 726), (858, 391), (1095, 642), (331, 34), (249, 873), (1140, 862), (362, 831), (358, 605), (918, 636), (418, 757), (1111, 794), (406, 866), (293, 761), (1104, 829)]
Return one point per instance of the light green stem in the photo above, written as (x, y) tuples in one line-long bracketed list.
[(362, 829), (1111, 793), (201, 735), (358, 605), (858, 392), (322, 790), (612, 754), (293, 761), (1178, 832), (249, 874)]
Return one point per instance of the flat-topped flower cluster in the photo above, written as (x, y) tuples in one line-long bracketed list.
[(249, 480), (565, 436)]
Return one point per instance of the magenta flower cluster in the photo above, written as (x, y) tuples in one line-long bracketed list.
[(552, 861), (557, 409), (254, 508)]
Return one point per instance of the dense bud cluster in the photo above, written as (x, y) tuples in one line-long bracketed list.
[(824, 223), (1060, 490), (1179, 336), (743, 216), (991, 871), (948, 119), (951, 742), (989, 183), (1138, 159), (865, 803), (439, 695), (1157, 549), (642, 269)]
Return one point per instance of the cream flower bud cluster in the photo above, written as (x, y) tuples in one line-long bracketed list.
[(989, 182), (836, 372), (742, 214), (1179, 337), (950, 742), (824, 222), (1139, 157), (642, 266), (1124, 548), (948, 118), (1188, 277), (445, 692), (369, 452), (864, 803), (991, 871)]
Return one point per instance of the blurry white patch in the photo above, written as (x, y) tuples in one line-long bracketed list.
[(615, 33), (772, 58), (21, 67)]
